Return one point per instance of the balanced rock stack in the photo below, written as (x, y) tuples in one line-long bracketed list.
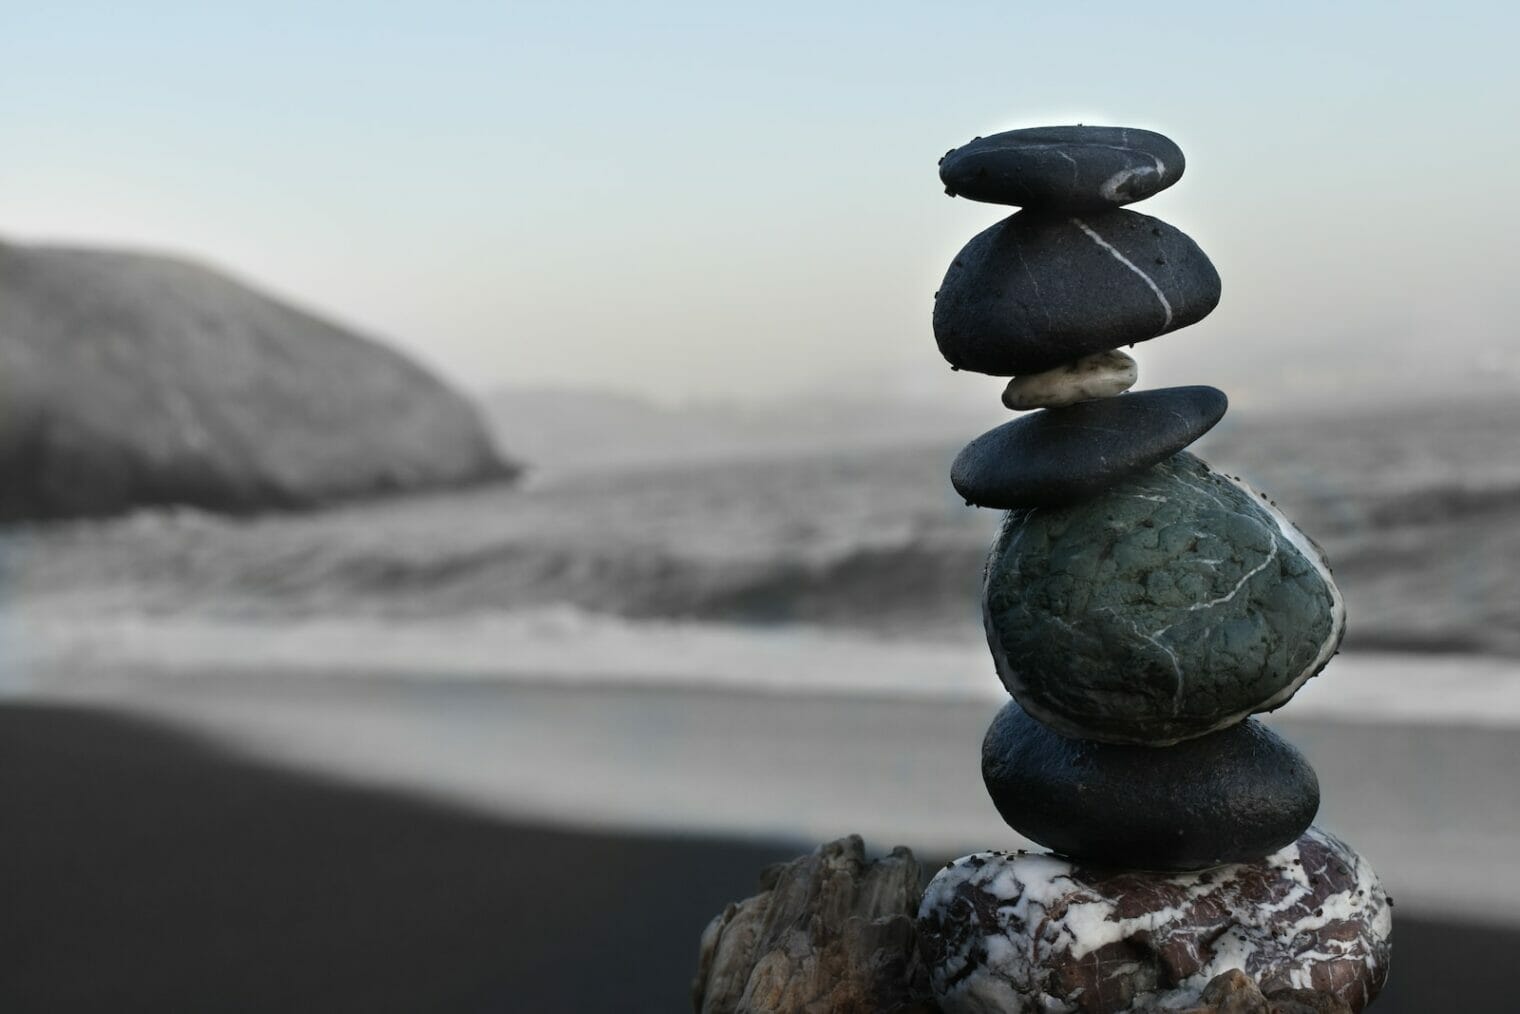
[(1139, 607)]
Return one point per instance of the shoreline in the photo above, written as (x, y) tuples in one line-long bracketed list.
[(563, 646), (1432, 806)]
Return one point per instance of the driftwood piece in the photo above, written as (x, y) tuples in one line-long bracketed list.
[(829, 932)]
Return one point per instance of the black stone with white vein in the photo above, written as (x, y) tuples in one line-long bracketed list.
[(1038, 289), (1058, 456), (1233, 795), (1076, 168)]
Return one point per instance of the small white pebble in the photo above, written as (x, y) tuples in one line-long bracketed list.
[(1100, 375)]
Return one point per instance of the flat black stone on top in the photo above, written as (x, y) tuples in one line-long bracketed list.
[(1037, 290), (1233, 795), (1063, 168), (1058, 456)]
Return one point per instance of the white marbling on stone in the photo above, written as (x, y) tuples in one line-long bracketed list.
[(1016, 932), (1100, 375)]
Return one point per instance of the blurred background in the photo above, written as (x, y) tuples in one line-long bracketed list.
[(476, 475)]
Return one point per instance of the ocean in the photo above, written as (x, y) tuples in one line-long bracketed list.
[(825, 568)]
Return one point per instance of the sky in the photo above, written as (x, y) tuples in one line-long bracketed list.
[(693, 201)]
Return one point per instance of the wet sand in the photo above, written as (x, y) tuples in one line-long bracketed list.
[(147, 868), (1434, 807), (142, 870)]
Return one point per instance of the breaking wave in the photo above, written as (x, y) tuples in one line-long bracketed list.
[(1426, 561)]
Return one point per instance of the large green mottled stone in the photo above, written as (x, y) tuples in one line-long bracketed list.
[(1175, 603)]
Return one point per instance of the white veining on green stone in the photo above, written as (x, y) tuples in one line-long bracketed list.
[(1175, 604), (1316, 557), (1221, 600)]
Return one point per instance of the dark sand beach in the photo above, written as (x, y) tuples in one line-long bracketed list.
[(144, 869), (141, 870)]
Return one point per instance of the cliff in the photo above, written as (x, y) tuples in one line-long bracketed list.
[(129, 380)]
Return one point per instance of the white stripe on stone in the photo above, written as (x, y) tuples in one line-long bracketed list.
[(1116, 255)]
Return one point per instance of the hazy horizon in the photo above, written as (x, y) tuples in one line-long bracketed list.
[(694, 203)]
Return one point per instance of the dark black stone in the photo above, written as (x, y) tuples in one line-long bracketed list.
[(1059, 456), (1038, 290), (1063, 168), (1233, 795)]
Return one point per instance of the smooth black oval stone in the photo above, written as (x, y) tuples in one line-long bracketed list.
[(1059, 456), (1063, 168), (1037, 290), (1233, 795)]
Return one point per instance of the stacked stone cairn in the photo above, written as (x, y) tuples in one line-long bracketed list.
[(1139, 606)]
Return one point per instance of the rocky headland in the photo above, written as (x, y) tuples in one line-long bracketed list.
[(135, 380)]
